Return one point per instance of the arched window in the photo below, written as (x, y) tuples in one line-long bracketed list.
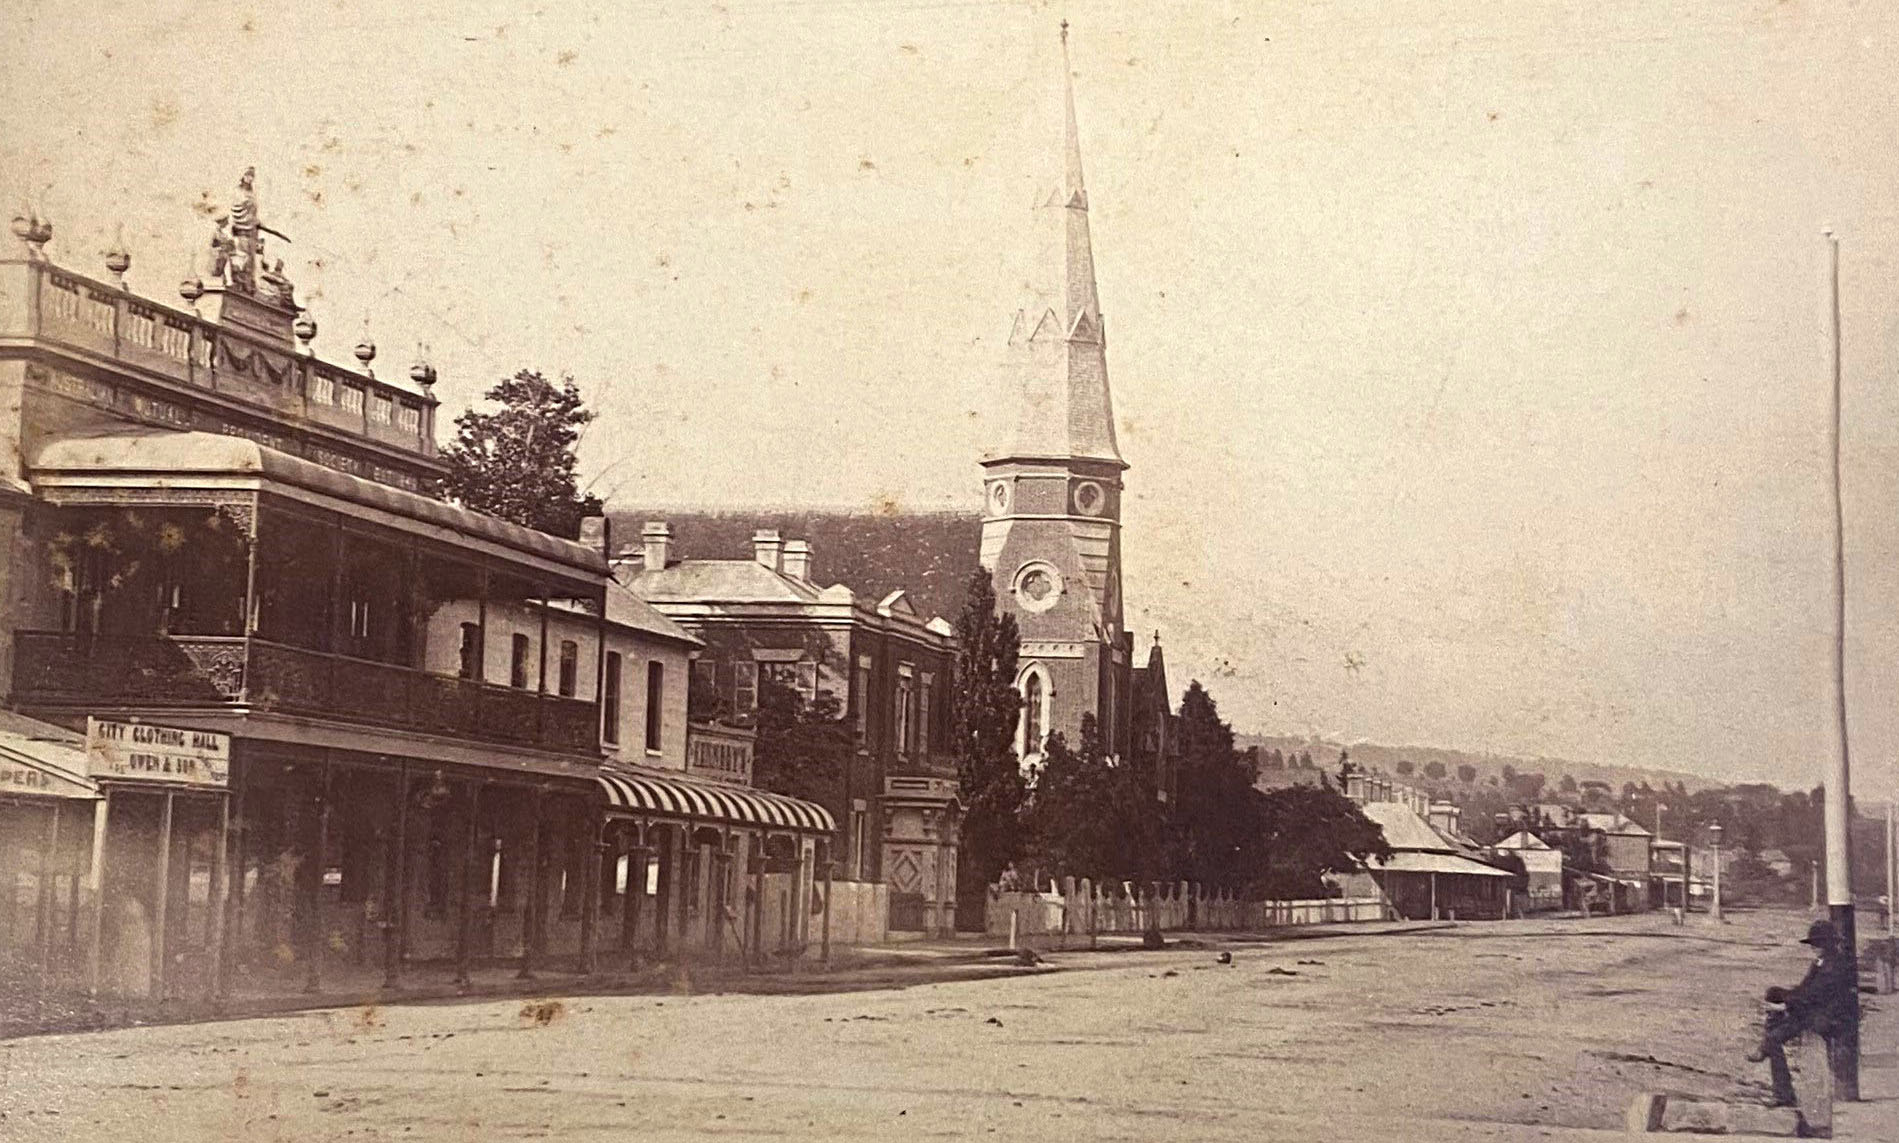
[(1033, 727), (1032, 711)]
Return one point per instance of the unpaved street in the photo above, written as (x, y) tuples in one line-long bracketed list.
[(1472, 1032)]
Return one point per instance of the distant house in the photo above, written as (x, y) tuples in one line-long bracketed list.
[(1428, 875), (1628, 846), (1544, 865), (1668, 876), (1778, 861)]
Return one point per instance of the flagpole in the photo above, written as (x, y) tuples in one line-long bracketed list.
[(1839, 880)]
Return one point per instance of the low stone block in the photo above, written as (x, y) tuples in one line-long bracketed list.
[(1714, 1117)]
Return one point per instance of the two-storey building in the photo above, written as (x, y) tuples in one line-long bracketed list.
[(422, 715), (765, 618)]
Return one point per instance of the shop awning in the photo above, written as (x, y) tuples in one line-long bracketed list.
[(1411, 861), (40, 760), (631, 793)]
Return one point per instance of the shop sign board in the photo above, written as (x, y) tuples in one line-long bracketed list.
[(142, 752)]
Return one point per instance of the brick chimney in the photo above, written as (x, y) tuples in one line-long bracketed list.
[(1444, 817), (1355, 787), (797, 559), (596, 532), (656, 544), (767, 547)]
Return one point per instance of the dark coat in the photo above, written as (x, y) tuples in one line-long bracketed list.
[(1826, 997)]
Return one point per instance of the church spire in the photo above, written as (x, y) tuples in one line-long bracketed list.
[(1057, 346), (1072, 142)]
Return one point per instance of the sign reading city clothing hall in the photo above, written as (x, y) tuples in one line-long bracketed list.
[(139, 751)]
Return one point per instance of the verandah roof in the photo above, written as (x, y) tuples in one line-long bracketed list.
[(184, 460), (632, 792)]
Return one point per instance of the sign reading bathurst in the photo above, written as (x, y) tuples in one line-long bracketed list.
[(138, 751)]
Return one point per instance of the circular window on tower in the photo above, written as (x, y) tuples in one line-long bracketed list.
[(998, 497), (1089, 499), (1037, 585)]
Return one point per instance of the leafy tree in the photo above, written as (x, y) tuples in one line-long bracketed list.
[(1434, 771), (802, 748), (1307, 832), (1215, 829), (1567, 785), (1467, 773), (1082, 810), (985, 707), (517, 461), (1405, 767)]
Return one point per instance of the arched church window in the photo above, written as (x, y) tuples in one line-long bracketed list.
[(1036, 694)]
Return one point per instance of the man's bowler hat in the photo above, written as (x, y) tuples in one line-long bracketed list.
[(1821, 934)]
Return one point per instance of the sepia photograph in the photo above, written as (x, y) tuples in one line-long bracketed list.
[(1317, 570)]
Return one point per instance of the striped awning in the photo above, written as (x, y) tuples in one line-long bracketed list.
[(633, 793)]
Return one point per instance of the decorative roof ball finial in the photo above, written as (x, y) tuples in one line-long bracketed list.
[(422, 373), (191, 289), (305, 327), (366, 351), (35, 231), (118, 259)]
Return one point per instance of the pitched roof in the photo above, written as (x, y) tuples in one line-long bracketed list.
[(629, 610), (1612, 823), (929, 555), (1405, 830), (1522, 839), (718, 581)]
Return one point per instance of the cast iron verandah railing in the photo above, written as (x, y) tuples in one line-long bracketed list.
[(66, 669)]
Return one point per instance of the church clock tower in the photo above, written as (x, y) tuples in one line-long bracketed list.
[(1051, 536)]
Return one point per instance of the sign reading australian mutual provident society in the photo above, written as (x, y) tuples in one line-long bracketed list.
[(139, 751)]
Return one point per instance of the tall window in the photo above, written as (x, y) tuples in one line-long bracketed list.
[(925, 686), (655, 702), (518, 662), (358, 620), (857, 843), (745, 686), (471, 651), (1034, 698), (702, 700), (569, 668), (905, 692), (610, 701), (863, 699)]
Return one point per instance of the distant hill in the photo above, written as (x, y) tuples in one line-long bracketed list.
[(930, 555), (1325, 756)]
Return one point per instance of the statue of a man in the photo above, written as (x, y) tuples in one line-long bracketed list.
[(218, 258)]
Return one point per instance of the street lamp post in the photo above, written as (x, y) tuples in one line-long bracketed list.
[(1714, 838)]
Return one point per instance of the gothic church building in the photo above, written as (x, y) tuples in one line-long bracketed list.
[(1051, 530)]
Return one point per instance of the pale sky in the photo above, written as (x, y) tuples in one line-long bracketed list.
[(1470, 356)]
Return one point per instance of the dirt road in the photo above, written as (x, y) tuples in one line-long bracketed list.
[(1478, 1031)]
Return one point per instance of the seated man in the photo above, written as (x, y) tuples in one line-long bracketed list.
[(1823, 1002)]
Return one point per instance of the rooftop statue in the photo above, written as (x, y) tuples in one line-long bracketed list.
[(238, 257)]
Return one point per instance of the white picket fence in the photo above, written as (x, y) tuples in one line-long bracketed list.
[(1073, 911)]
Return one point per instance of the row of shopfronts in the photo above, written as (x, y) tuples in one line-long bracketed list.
[(208, 867)]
